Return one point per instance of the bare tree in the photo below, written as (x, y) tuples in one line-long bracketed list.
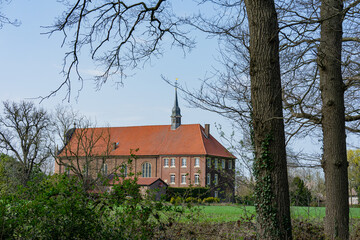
[(23, 135), (333, 121), (308, 60), (86, 149), (119, 34), (272, 190)]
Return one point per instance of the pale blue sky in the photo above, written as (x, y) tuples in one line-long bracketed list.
[(31, 65), (31, 62)]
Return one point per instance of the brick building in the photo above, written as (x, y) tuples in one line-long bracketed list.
[(181, 155)]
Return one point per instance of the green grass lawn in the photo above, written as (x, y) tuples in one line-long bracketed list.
[(234, 213)]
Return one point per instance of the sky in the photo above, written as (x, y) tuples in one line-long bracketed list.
[(31, 64)]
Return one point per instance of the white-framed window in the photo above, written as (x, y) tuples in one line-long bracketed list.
[(197, 162), (208, 179), (197, 179), (208, 162), (124, 170), (216, 165), (183, 162), (166, 162), (230, 164), (216, 179), (104, 169), (146, 170), (172, 179), (216, 194), (172, 162), (183, 179), (223, 164)]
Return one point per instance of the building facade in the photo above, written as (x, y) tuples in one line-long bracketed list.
[(180, 155)]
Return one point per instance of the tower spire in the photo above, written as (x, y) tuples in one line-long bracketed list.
[(175, 116)]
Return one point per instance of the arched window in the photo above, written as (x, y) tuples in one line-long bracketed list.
[(146, 170)]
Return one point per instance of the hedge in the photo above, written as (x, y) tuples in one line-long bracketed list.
[(185, 192)]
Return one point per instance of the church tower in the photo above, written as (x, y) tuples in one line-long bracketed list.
[(175, 116)]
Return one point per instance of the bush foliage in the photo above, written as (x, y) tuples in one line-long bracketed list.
[(300, 195), (59, 208), (185, 192)]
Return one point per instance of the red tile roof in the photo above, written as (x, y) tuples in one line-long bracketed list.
[(151, 140)]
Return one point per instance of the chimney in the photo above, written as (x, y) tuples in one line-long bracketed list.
[(207, 130)]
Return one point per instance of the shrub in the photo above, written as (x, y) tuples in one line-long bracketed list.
[(59, 208), (300, 195), (185, 192), (192, 200), (211, 200), (127, 189), (176, 200)]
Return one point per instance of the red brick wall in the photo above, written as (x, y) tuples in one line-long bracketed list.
[(190, 170), (226, 176)]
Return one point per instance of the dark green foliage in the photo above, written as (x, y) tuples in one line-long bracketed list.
[(300, 195), (10, 171), (56, 209), (127, 190), (185, 192), (59, 208)]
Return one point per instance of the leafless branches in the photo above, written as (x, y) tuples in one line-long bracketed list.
[(118, 34), (85, 149), (23, 134), (5, 20), (299, 34)]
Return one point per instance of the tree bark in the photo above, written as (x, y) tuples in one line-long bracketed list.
[(272, 190), (332, 89)]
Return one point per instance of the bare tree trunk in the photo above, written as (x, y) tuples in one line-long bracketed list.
[(272, 190), (333, 121)]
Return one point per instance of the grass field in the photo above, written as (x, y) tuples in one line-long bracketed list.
[(221, 213), (238, 222)]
